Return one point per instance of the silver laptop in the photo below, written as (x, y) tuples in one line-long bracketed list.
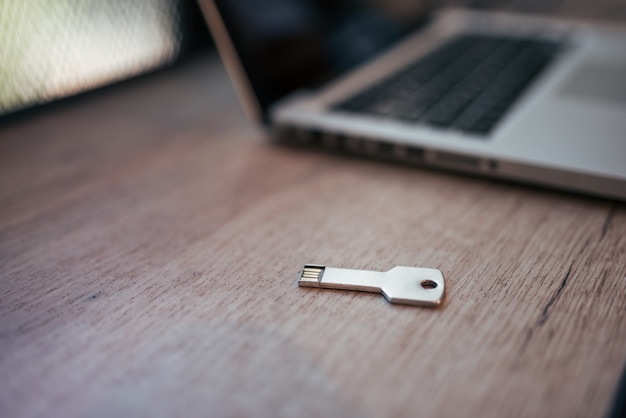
[(518, 97)]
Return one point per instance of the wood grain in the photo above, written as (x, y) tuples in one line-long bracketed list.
[(150, 241)]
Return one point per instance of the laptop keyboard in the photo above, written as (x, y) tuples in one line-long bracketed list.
[(467, 84)]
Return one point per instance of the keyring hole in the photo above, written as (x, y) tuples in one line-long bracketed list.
[(429, 284)]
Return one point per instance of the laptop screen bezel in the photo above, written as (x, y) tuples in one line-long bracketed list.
[(248, 97)]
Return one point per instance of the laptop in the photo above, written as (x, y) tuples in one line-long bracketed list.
[(518, 97)]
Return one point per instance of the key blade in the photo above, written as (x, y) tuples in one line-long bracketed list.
[(314, 275)]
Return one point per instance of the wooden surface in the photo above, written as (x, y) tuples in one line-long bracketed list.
[(150, 241)]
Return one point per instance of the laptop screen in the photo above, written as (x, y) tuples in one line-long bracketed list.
[(286, 45)]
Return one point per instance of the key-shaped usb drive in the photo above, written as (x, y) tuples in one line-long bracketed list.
[(406, 285)]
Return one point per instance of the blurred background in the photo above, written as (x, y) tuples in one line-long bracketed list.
[(51, 50), (55, 49)]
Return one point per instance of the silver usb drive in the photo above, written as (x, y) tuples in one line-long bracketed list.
[(405, 285)]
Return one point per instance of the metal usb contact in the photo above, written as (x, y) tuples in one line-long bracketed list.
[(404, 285)]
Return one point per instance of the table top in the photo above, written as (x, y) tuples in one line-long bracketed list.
[(151, 239)]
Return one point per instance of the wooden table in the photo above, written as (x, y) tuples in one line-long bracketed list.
[(150, 241)]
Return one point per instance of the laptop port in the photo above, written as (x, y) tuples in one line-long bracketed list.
[(457, 160), (386, 149), (332, 141), (353, 144), (414, 153)]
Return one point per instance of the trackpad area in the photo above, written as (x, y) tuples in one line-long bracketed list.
[(592, 81)]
